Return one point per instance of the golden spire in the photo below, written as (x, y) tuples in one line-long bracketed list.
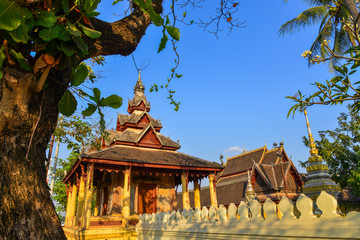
[(318, 171), (313, 150), (139, 87)]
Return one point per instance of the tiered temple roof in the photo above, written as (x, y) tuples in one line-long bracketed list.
[(139, 128)]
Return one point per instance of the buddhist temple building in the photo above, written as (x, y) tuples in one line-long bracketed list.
[(270, 172), (136, 171)]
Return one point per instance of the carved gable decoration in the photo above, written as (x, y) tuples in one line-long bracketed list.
[(296, 176), (144, 121), (260, 184), (290, 182), (150, 139), (141, 106)]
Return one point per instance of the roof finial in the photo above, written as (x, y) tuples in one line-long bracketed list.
[(249, 192), (139, 87), (313, 150)]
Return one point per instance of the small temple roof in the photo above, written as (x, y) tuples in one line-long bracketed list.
[(140, 155), (135, 118), (139, 97), (134, 136), (243, 162)]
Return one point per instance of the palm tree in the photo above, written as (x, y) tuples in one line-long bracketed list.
[(335, 26)]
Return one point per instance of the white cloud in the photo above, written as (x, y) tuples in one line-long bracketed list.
[(234, 149)]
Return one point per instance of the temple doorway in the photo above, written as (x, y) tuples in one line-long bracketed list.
[(147, 198)]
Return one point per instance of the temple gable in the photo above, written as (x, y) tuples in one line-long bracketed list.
[(149, 138)]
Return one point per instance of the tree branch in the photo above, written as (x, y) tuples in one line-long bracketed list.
[(120, 37)]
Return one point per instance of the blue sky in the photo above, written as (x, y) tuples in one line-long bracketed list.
[(233, 89)]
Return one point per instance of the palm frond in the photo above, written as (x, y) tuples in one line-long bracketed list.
[(319, 2), (325, 33), (309, 17)]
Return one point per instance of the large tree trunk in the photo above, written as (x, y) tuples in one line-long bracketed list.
[(27, 121)]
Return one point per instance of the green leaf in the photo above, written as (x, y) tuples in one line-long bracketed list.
[(20, 34), (10, 15), (116, 1), (113, 101), (155, 18), (81, 45), (65, 5), (352, 72), (90, 32), (163, 42), (91, 5), (97, 95), (46, 19), (64, 35), (21, 60), (89, 110), (25, 13), (174, 32), (68, 48), (52, 48), (102, 120), (30, 23), (148, 8), (49, 34), (67, 104), (92, 14), (79, 75), (73, 30)]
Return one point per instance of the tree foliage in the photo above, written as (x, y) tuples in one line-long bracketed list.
[(340, 148), (79, 136), (343, 87), (334, 22)]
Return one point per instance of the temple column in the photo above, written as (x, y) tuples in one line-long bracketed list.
[(72, 207), (86, 214), (68, 192), (97, 203), (81, 196), (212, 190), (126, 193), (185, 190), (197, 203)]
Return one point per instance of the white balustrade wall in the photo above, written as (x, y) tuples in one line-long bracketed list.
[(267, 221)]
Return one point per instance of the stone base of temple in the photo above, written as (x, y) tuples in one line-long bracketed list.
[(113, 232), (103, 227)]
